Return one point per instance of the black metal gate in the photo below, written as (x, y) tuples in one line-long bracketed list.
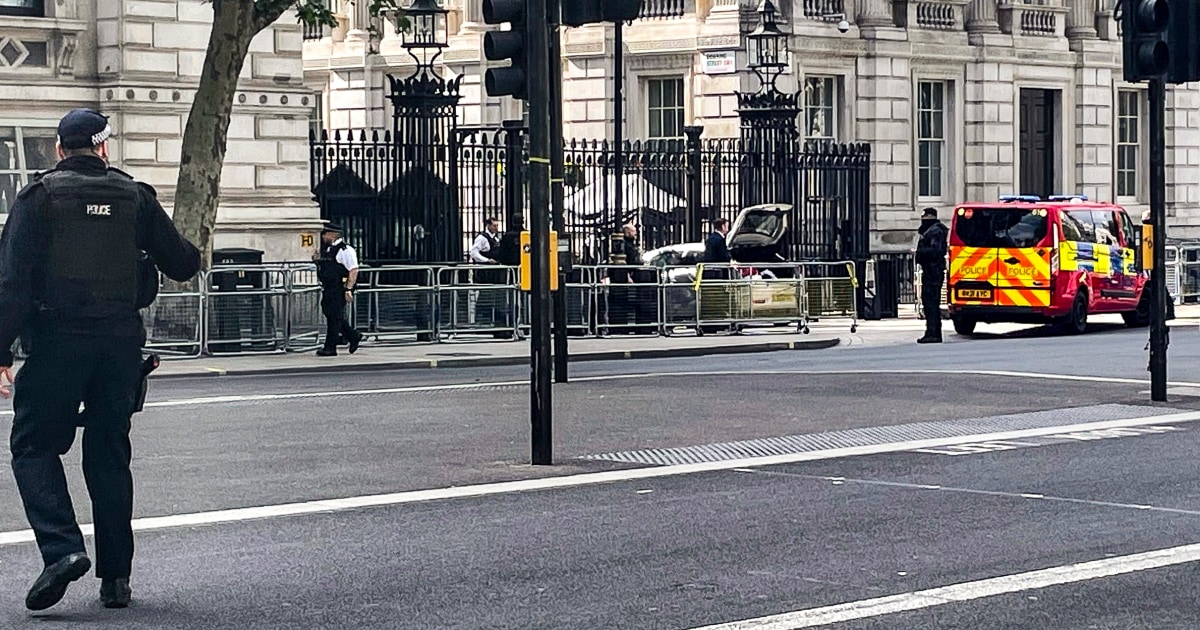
[(424, 202)]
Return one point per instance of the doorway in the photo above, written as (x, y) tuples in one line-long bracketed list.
[(1036, 143)]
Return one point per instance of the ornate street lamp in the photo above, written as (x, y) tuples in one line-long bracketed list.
[(768, 118), (424, 116), (768, 46)]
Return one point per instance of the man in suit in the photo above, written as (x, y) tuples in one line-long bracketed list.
[(716, 250)]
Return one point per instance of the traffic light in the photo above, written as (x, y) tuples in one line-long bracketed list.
[(581, 12), (1144, 29), (1184, 41), (501, 45)]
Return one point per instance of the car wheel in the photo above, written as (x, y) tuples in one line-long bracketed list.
[(1076, 322), (963, 325)]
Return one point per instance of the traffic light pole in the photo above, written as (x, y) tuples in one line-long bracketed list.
[(557, 169), (1158, 219), (619, 124), (540, 407)]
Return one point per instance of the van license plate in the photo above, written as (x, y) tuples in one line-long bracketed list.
[(974, 294)]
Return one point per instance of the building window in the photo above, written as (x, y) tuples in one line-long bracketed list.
[(665, 111), (34, 8), (316, 118), (1129, 138), (23, 152), (931, 137), (820, 107)]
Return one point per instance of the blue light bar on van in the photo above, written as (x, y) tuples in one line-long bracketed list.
[(1068, 197), (1021, 198)]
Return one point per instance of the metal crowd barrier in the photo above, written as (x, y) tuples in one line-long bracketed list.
[(277, 308), (733, 297), (831, 291), (478, 299)]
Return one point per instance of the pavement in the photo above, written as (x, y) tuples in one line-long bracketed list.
[(829, 489), (480, 352)]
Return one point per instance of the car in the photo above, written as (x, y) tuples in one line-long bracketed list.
[(751, 289)]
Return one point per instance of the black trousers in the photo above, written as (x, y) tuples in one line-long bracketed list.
[(931, 299), (62, 371), (337, 329)]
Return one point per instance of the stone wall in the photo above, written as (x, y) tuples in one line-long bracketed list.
[(140, 63), (985, 52)]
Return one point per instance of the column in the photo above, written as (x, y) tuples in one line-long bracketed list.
[(1081, 21), (359, 13), (875, 13), (981, 17)]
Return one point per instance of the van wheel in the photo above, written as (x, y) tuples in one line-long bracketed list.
[(963, 325), (1140, 317), (1076, 321)]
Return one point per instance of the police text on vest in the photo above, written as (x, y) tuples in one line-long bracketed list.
[(98, 210)]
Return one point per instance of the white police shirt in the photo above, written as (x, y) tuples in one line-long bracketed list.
[(347, 256)]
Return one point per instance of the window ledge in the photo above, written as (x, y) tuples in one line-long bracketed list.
[(18, 22)]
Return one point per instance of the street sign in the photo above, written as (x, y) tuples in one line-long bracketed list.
[(722, 62)]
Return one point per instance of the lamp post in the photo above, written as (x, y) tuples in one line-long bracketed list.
[(424, 115), (768, 114), (768, 117)]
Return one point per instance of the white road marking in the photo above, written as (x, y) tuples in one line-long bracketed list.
[(240, 398), (990, 493), (967, 591), (588, 479)]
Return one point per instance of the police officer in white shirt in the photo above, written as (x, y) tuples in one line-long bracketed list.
[(487, 244), (337, 270)]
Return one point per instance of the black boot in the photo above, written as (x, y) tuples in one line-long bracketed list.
[(52, 584), (115, 593)]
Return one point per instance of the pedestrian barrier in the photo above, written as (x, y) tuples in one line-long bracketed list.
[(277, 308), (733, 297), (247, 309), (477, 299), (628, 300), (175, 321), (831, 291)]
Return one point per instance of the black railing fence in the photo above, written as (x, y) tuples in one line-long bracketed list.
[(671, 189)]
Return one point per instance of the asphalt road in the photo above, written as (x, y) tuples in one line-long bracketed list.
[(680, 551)]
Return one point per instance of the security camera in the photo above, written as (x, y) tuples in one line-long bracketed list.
[(843, 26)]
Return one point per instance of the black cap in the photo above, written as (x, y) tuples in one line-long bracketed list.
[(929, 213), (83, 129), (332, 228)]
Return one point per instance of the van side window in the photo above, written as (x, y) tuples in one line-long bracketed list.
[(1077, 226), (1130, 233), (1106, 227)]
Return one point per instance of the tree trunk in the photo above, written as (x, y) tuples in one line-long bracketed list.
[(198, 188)]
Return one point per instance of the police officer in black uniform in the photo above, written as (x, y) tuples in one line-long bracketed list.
[(337, 271), (931, 256), (69, 286)]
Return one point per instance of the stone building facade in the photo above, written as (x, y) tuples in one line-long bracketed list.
[(139, 62), (960, 99)]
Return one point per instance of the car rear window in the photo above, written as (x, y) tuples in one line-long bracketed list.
[(1001, 227)]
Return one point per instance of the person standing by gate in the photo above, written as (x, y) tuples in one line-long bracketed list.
[(931, 256), (337, 271), (70, 286), (489, 302)]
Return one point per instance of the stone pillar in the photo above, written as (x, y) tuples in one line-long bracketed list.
[(1183, 161), (874, 14), (981, 17), (359, 12), (1094, 120), (990, 124), (1081, 21)]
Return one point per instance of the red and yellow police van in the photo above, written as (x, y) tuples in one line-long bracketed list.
[(1058, 260)]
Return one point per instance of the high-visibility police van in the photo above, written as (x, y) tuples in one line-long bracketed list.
[(1057, 260)]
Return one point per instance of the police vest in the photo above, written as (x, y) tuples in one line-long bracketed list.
[(493, 251), (330, 272), (93, 253)]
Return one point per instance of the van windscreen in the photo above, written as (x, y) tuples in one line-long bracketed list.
[(1001, 227)]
